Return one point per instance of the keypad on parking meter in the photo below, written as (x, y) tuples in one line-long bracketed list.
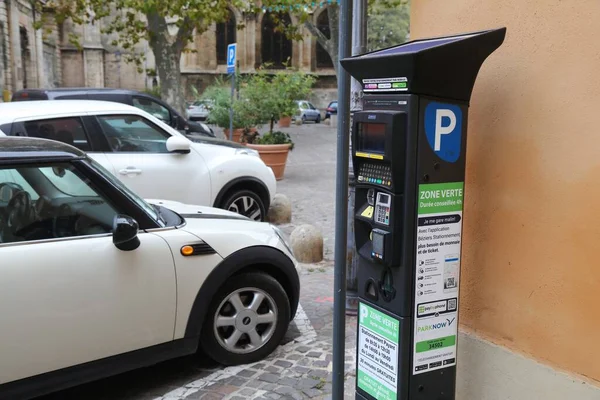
[(379, 174)]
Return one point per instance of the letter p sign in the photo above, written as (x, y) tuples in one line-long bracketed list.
[(443, 128)]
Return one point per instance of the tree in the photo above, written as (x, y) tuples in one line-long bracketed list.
[(387, 27), (305, 9), (168, 26)]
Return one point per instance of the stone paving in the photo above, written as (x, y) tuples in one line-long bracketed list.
[(301, 367)]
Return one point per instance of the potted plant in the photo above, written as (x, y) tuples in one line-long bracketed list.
[(273, 148), (245, 114), (289, 87)]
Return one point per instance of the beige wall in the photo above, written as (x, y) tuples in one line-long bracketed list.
[(531, 265)]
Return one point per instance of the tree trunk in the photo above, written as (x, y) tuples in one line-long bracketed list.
[(167, 53), (329, 44)]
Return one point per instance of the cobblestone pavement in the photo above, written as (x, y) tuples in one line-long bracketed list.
[(301, 367)]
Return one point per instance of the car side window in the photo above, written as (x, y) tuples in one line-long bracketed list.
[(153, 108), (303, 106), (133, 134), (67, 130), (50, 202), (311, 106)]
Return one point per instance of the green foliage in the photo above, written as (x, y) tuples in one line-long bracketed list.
[(387, 26), (276, 137), (263, 98)]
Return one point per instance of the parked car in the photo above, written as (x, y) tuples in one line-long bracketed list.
[(144, 101), (198, 110), (138, 148), (331, 109), (307, 112), (96, 280)]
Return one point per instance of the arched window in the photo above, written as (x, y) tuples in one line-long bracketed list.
[(323, 58), (276, 47), (225, 36)]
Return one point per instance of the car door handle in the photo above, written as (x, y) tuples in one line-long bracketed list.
[(130, 170)]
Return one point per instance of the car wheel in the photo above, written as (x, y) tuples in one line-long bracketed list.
[(303, 118), (247, 319), (246, 203), (318, 120)]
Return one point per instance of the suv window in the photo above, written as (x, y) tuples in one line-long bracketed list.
[(67, 130), (133, 134), (63, 204), (153, 108)]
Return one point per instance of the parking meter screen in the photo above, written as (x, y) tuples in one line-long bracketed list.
[(371, 138)]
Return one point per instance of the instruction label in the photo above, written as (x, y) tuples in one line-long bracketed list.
[(437, 273), (378, 336)]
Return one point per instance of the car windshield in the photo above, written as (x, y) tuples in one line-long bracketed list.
[(150, 210)]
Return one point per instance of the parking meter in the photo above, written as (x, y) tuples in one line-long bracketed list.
[(408, 155)]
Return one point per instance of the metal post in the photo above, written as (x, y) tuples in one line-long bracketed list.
[(231, 107), (341, 209), (359, 44)]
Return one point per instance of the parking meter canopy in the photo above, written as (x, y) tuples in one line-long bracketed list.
[(441, 67)]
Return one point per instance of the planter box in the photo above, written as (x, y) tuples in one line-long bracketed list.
[(237, 134), (274, 155), (285, 122)]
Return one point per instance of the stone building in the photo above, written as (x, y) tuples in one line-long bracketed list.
[(32, 59)]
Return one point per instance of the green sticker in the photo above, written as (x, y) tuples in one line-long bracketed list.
[(441, 197), (397, 85), (373, 387), (435, 344), (379, 323)]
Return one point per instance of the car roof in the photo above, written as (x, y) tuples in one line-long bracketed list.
[(80, 89), (41, 108), (24, 149)]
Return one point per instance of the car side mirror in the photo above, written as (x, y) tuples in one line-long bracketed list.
[(176, 144), (125, 233)]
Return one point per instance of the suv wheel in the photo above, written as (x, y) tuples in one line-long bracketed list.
[(246, 203), (246, 320)]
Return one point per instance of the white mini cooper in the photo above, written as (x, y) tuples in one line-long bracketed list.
[(95, 281)]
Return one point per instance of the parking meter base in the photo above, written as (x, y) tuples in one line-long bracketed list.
[(408, 157)]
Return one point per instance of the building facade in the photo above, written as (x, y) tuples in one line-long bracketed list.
[(530, 279), (45, 58)]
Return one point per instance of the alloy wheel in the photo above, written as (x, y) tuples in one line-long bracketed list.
[(246, 206), (245, 321)]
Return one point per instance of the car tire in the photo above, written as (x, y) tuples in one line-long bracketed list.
[(226, 322), (318, 120), (303, 119), (246, 203)]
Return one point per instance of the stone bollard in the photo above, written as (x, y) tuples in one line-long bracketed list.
[(307, 244), (280, 211), (298, 121)]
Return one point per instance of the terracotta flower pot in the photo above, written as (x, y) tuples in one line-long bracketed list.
[(237, 134), (285, 122), (274, 155)]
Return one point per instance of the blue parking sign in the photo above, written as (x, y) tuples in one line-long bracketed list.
[(231, 50)]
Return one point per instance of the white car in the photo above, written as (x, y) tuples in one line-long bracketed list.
[(95, 281), (150, 157)]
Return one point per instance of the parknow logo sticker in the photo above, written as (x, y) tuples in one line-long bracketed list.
[(443, 128)]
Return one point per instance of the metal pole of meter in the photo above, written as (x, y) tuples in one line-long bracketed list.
[(341, 209), (359, 45)]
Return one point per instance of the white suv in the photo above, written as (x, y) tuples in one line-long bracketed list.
[(150, 157), (95, 281)]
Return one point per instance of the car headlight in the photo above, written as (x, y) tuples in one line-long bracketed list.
[(247, 152), (281, 236)]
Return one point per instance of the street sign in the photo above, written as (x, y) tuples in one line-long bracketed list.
[(231, 56)]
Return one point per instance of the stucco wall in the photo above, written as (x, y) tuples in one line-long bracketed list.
[(531, 271)]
